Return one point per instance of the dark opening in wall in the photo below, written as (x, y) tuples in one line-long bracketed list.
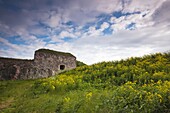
[(62, 67)]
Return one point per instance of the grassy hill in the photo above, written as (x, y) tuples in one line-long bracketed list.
[(134, 85)]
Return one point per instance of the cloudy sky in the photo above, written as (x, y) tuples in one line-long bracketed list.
[(92, 30)]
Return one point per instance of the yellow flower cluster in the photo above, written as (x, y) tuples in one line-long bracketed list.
[(89, 95)]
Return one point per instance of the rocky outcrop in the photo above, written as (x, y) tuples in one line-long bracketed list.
[(45, 63)]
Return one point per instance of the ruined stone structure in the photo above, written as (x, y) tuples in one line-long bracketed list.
[(46, 63)]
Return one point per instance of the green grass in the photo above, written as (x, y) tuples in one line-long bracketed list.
[(19, 97), (134, 85), (22, 97)]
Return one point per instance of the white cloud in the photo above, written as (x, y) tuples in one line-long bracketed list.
[(53, 20), (119, 26), (138, 19), (7, 43), (107, 6), (122, 44), (152, 33), (21, 51), (138, 5), (92, 31), (117, 20), (161, 15), (64, 34), (95, 49), (104, 26), (55, 38), (88, 9)]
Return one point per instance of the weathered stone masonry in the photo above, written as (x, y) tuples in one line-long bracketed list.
[(45, 63)]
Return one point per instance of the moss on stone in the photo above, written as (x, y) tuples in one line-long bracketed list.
[(54, 52)]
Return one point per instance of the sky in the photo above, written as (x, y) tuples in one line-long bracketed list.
[(92, 30)]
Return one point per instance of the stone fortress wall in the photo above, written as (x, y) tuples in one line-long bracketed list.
[(46, 63)]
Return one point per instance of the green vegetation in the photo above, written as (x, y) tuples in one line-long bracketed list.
[(79, 63), (134, 85)]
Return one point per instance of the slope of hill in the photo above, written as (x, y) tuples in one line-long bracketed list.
[(134, 85)]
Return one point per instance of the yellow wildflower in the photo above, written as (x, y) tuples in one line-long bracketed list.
[(160, 97), (89, 95), (53, 87), (67, 99)]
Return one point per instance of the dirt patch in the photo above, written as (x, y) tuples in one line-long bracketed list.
[(6, 103)]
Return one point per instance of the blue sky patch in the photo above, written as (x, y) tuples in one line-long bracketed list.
[(131, 26), (67, 39), (108, 31), (69, 23), (86, 26), (118, 14), (16, 40), (102, 18)]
